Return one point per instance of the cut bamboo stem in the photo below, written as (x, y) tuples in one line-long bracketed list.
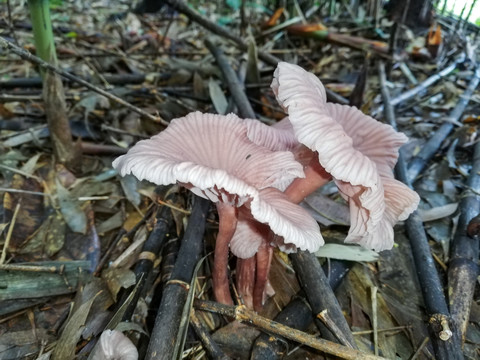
[(164, 334), (150, 252)]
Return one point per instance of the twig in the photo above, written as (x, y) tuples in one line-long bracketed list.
[(167, 322), (463, 264), (9, 234), (149, 254), (332, 326), (217, 29), (422, 86), (245, 110), (46, 66), (210, 346), (33, 268), (420, 348), (432, 290), (297, 315), (319, 293), (419, 162), (242, 314), (375, 320)]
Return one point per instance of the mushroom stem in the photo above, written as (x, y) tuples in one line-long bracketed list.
[(264, 259), (227, 216), (315, 176), (246, 279)]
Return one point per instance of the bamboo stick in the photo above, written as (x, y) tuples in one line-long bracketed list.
[(445, 345), (419, 162), (167, 322), (242, 314), (463, 266)]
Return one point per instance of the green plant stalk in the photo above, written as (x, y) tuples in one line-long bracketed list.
[(53, 94), (42, 30)]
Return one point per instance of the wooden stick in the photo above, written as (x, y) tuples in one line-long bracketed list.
[(407, 95), (193, 15), (210, 346), (242, 314), (245, 110)]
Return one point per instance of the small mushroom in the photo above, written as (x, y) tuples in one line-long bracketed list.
[(113, 345), (212, 156), (353, 149)]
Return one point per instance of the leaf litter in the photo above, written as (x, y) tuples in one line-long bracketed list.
[(72, 222)]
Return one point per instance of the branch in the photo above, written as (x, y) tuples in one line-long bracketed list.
[(46, 66), (445, 345), (242, 314), (420, 161)]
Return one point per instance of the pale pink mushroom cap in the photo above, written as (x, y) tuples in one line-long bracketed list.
[(284, 218), (113, 345), (212, 155), (358, 151), (277, 137)]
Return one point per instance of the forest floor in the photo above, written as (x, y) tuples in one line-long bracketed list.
[(71, 238)]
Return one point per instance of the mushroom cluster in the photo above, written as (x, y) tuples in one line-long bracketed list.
[(257, 174)]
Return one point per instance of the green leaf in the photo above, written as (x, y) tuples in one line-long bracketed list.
[(347, 252), (218, 97)]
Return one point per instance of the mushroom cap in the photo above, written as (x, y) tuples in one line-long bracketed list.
[(113, 345), (212, 155), (375, 140), (278, 137), (358, 151), (303, 96), (284, 218)]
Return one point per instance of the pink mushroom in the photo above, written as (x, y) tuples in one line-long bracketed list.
[(357, 151), (212, 156)]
